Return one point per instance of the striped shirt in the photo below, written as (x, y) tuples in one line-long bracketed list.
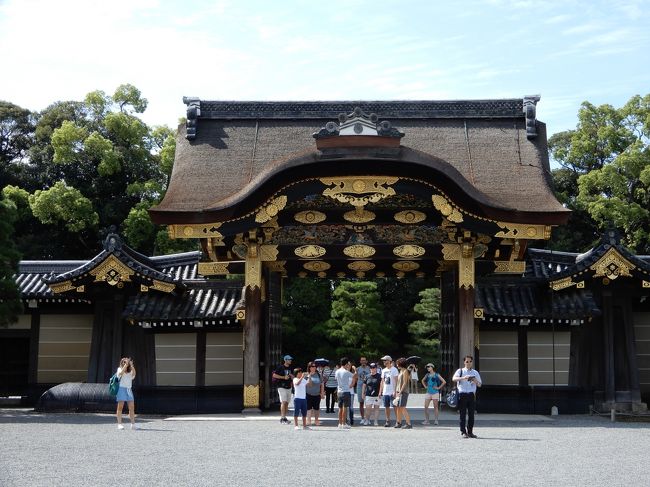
[(330, 376)]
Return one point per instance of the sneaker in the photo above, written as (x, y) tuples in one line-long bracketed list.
[(464, 435), (376, 423), (397, 425), (134, 427), (347, 427), (297, 427), (472, 435), (408, 427), (387, 424), (120, 426), (425, 422), (306, 427), (436, 422)]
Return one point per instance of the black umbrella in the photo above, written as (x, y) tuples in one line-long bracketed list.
[(413, 359), (322, 362)]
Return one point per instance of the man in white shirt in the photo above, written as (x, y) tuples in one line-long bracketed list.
[(467, 380), (344, 379), (387, 388)]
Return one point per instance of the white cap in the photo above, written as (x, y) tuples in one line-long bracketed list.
[(387, 357)]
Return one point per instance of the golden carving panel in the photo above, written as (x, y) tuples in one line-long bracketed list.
[(523, 230), (410, 217), (277, 266), (316, 265), (194, 231), (165, 287), (612, 265), (509, 267), (406, 266), (450, 251), (310, 251), (310, 217), (359, 190), (252, 396), (112, 271), (62, 287), (253, 267), (271, 209), (213, 268), (359, 215), (409, 251), (361, 266), (446, 209), (562, 283), (359, 251), (269, 253)]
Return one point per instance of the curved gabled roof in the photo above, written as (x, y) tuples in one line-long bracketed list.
[(231, 149)]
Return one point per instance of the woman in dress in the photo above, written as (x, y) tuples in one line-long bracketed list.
[(126, 374)]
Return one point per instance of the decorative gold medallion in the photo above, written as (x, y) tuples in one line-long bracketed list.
[(479, 313), (410, 216), (409, 251), (310, 217), (406, 266), (446, 209), (359, 251), (359, 190), (612, 265), (271, 209), (380, 274), (359, 215), (645, 284), (240, 314), (310, 251), (316, 265), (340, 275), (302, 274), (361, 265), (112, 271)]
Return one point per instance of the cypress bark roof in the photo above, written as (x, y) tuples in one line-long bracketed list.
[(229, 149)]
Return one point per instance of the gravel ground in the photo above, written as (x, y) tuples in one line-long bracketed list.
[(87, 449)]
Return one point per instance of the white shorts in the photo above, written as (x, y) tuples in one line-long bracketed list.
[(372, 401), (285, 394), (434, 397)]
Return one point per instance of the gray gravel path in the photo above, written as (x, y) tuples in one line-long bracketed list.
[(85, 449)]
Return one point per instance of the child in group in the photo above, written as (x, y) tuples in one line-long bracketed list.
[(299, 398)]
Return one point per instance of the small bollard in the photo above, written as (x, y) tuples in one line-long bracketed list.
[(612, 415), (554, 411)]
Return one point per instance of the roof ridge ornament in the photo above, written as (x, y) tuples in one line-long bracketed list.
[(358, 123), (530, 109), (193, 113)]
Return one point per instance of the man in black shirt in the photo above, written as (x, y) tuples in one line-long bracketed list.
[(282, 377), (370, 394)]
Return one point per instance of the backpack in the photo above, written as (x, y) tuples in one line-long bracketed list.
[(452, 396), (113, 385)]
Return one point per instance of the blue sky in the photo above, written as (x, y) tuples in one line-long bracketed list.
[(567, 51)]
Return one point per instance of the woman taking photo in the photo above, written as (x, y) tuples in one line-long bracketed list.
[(402, 395), (126, 374)]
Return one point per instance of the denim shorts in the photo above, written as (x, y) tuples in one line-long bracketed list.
[(344, 399), (124, 394)]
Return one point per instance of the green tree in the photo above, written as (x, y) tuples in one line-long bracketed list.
[(10, 304), (102, 166), (16, 135), (425, 332), (306, 307), (605, 171), (357, 325)]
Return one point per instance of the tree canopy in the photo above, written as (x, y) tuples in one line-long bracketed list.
[(605, 174), (86, 166)]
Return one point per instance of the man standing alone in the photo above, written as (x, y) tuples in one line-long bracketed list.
[(467, 380), (282, 376)]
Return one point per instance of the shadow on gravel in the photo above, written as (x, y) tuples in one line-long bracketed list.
[(24, 417)]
